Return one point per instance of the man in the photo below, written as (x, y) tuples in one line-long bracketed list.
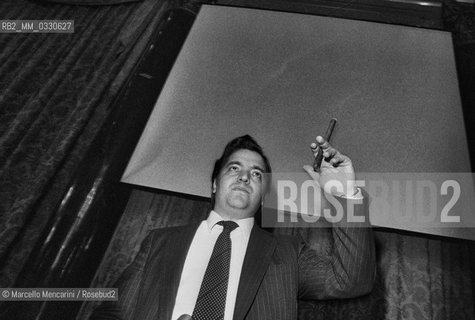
[(235, 269)]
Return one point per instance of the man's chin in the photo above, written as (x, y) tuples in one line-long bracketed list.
[(245, 207), (238, 204)]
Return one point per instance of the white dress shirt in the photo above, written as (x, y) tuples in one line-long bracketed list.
[(197, 260)]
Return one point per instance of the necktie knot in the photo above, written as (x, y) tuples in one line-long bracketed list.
[(228, 226)]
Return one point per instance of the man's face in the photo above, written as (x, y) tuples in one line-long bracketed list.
[(239, 185)]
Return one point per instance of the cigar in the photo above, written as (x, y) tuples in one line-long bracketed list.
[(317, 162)]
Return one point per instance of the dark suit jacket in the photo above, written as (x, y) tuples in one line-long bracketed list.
[(277, 271)]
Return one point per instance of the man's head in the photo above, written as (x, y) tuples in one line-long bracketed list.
[(238, 180)]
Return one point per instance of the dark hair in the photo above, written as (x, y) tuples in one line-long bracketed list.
[(239, 143)]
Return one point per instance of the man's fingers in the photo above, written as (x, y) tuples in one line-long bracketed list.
[(337, 159), (329, 153), (322, 143)]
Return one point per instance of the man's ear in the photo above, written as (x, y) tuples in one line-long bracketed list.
[(213, 188)]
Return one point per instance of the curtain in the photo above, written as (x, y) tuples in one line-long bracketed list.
[(418, 278), (56, 90)]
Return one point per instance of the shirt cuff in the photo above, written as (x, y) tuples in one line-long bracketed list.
[(358, 195)]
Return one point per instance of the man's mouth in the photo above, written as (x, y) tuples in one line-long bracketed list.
[(242, 189)]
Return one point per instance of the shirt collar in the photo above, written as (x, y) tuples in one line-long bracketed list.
[(245, 225)]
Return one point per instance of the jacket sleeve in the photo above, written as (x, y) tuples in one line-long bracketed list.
[(347, 268), (128, 289)]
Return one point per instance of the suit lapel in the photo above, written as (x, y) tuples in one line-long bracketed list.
[(174, 255), (259, 252)]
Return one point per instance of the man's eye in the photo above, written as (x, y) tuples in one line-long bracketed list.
[(233, 168), (257, 174)]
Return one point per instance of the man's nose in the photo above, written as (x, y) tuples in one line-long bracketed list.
[(244, 177)]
